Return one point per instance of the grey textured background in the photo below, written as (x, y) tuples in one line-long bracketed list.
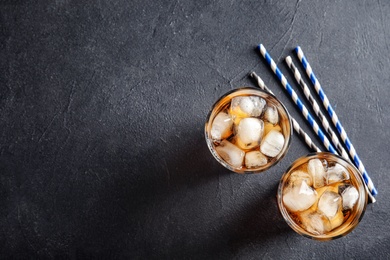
[(102, 109)]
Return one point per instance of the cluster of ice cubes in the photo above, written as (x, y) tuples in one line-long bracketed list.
[(320, 196), (247, 133)]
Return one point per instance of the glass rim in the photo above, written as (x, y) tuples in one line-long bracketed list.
[(345, 228), (288, 136)]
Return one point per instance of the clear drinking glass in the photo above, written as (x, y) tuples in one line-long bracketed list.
[(248, 130), (334, 209)]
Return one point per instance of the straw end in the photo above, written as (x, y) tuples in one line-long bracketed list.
[(297, 49), (288, 60), (374, 191), (371, 197)]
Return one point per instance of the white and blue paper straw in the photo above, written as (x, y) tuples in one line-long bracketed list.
[(336, 121), (296, 126), (297, 100), (316, 108)]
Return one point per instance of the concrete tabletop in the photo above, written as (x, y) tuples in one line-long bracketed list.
[(102, 113)]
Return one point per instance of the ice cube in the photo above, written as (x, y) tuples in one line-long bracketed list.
[(342, 187), (317, 171), (337, 173), (268, 127), (272, 143), (332, 188), (337, 220), (299, 198), (246, 106), (249, 132), (271, 114), (350, 195), (325, 164), (329, 204), (297, 177), (255, 159), (315, 222), (230, 153), (221, 127)]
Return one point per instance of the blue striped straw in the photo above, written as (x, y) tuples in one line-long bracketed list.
[(296, 126), (297, 101), (336, 122), (316, 108), (322, 118)]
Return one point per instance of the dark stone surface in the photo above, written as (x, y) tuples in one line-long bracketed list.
[(102, 109)]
